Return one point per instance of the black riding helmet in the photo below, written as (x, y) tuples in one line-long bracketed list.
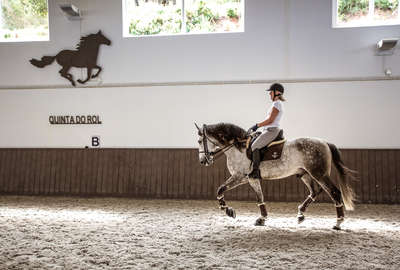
[(277, 88)]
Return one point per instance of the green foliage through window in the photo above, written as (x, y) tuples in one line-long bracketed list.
[(201, 18), (21, 18), (358, 11), (152, 17), (386, 4), (157, 20), (17, 14)]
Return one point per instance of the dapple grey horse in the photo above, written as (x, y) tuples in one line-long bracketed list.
[(308, 158)]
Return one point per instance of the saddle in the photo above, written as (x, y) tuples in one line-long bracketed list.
[(272, 151)]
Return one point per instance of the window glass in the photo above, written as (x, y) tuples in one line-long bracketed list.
[(154, 17), (386, 11), (167, 17), (24, 20), (352, 11), (213, 15), (367, 12)]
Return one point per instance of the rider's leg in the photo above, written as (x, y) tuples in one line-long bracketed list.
[(263, 140), (255, 156)]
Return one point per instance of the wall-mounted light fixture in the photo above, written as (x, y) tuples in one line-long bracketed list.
[(386, 46), (71, 12)]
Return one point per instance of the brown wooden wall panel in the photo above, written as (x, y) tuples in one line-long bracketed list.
[(395, 188), (392, 175), (175, 173)]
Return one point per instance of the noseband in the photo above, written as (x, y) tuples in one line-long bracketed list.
[(210, 155)]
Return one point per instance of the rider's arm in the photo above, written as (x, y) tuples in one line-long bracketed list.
[(270, 119)]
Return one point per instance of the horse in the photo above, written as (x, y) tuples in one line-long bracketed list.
[(85, 56), (309, 158)]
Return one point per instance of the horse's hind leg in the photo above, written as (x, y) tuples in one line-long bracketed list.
[(255, 184), (314, 191), (336, 195), (65, 74)]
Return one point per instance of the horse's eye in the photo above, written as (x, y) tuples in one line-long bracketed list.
[(199, 141)]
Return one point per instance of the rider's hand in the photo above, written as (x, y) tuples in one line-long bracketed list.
[(252, 129)]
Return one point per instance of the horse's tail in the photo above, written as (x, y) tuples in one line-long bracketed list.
[(46, 60), (344, 184)]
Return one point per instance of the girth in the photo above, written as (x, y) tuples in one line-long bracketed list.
[(272, 151)]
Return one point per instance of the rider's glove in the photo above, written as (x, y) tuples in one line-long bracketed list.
[(252, 129)]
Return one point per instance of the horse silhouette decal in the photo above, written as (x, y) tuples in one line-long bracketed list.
[(85, 56)]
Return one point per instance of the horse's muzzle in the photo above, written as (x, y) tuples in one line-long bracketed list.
[(204, 162)]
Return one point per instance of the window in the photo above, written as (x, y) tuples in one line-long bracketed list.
[(168, 17), (353, 13), (23, 20)]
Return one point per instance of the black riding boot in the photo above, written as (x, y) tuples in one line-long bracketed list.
[(256, 163)]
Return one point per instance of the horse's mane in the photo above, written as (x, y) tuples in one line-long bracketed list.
[(86, 41), (226, 132)]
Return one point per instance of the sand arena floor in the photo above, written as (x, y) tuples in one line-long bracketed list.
[(122, 233)]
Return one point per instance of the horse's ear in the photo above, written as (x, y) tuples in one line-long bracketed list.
[(198, 128), (99, 33)]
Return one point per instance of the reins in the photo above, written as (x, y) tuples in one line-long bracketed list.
[(221, 150)]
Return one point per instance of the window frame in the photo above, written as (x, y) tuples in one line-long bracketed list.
[(126, 34), (370, 13)]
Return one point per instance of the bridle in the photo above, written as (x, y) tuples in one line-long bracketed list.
[(211, 156)]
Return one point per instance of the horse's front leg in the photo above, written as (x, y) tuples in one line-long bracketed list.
[(98, 71), (256, 185), (89, 75), (233, 182)]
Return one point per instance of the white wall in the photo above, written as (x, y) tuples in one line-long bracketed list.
[(351, 115), (283, 40)]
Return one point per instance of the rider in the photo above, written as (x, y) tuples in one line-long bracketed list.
[(269, 127)]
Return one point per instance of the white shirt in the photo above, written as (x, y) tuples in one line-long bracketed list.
[(279, 106)]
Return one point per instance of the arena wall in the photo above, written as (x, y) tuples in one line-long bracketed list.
[(174, 173)]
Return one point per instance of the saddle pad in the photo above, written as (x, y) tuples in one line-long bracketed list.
[(272, 152)]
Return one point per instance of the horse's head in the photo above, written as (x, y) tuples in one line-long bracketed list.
[(208, 145), (102, 39)]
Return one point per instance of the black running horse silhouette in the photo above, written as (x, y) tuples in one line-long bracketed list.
[(85, 56)]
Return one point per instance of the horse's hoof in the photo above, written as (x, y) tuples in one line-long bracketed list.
[(339, 221), (230, 212), (260, 221), (300, 219)]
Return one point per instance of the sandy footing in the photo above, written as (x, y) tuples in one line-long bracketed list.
[(122, 233)]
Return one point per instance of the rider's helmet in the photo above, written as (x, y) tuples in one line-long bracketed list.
[(277, 88)]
